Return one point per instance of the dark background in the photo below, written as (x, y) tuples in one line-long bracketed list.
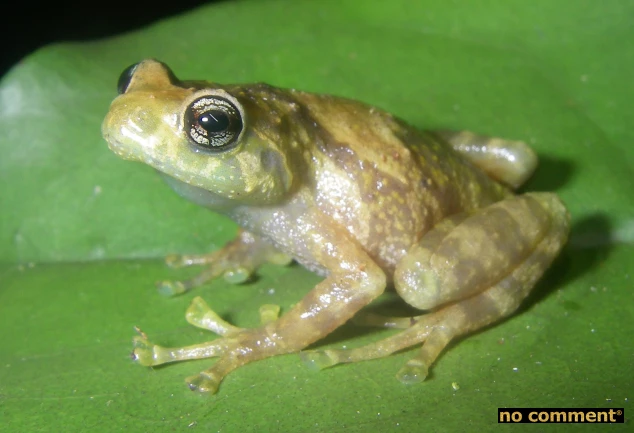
[(27, 25)]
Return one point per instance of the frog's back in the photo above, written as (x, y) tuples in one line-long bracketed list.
[(398, 181)]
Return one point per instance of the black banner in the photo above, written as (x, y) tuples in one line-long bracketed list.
[(524, 415)]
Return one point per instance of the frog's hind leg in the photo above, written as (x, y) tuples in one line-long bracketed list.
[(507, 161), (364, 318), (435, 330), (470, 271)]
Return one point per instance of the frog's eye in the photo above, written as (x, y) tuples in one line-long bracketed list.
[(125, 78), (158, 72), (213, 122)]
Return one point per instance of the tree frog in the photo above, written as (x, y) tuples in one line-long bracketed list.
[(350, 192)]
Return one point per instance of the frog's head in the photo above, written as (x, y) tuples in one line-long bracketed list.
[(219, 139)]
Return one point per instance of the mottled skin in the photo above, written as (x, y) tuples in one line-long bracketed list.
[(351, 193)]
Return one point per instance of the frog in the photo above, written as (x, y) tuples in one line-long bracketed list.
[(350, 192)]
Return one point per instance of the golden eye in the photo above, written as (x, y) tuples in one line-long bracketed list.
[(212, 122)]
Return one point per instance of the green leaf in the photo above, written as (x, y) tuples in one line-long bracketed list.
[(82, 232)]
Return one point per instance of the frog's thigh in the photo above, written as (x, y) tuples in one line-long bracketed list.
[(507, 161), (465, 255)]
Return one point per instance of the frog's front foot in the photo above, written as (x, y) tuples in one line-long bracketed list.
[(234, 268), (236, 262), (149, 354), (236, 347)]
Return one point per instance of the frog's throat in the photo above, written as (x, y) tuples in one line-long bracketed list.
[(198, 195)]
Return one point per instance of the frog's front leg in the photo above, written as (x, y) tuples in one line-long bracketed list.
[(470, 271), (353, 281), (236, 262)]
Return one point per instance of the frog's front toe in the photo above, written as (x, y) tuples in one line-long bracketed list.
[(171, 288), (148, 354), (203, 382), (142, 352), (177, 261), (201, 316)]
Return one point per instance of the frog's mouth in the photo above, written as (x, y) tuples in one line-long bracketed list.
[(133, 153)]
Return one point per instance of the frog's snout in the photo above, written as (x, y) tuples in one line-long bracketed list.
[(120, 150)]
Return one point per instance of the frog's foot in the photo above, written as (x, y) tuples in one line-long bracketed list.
[(232, 348), (417, 368), (379, 321), (435, 330), (236, 262), (430, 328), (508, 161)]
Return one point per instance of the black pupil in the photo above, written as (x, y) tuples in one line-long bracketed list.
[(214, 121)]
